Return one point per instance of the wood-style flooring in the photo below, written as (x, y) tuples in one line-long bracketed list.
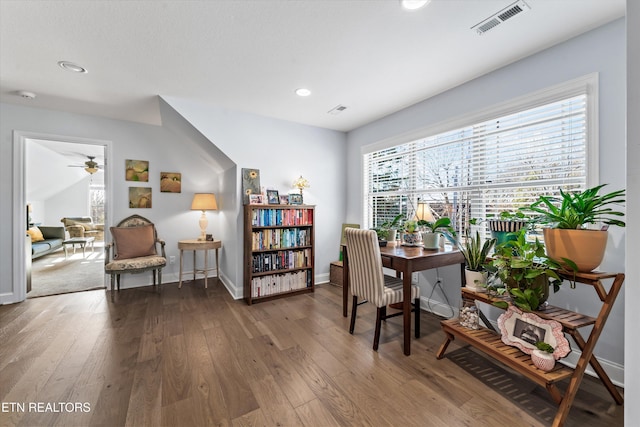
[(196, 357)]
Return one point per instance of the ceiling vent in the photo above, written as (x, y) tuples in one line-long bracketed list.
[(337, 110), (499, 17)]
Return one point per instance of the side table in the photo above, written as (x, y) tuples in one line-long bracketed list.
[(199, 245)]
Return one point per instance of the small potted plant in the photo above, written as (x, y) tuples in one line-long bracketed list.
[(475, 254), (542, 357), (434, 229), (569, 217), (411, 236), (389, 229), (506, 224), (525, 272)]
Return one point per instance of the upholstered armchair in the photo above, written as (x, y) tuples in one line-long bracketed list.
[(83, 226), (134, 249)]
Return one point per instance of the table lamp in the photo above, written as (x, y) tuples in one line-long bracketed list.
[(204, 202), (301, 183), (424, 212)]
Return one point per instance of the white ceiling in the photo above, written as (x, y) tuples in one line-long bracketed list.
[(371, 56)]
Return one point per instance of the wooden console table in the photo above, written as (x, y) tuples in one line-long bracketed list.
[(199, 245), (490, 342)]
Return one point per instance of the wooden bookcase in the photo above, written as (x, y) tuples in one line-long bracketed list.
[(279, 251), (490, 342)]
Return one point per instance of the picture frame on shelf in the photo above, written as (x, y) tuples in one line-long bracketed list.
[(523, 330), (256, 199), (250, 183), (295, 199), (272, 197), (284, 199)]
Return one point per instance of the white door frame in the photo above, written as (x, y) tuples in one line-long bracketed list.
[(19, 282)]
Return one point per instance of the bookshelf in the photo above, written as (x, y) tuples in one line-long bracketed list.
[(279, 251)]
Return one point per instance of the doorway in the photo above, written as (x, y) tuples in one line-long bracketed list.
[(56, 182)]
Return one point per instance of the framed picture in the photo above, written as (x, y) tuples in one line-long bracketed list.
[(170, 182), (250, 183), (272, 197), (284, 199), (295, 199), (523, 330), (136, 170), (256, 199), (140, 197)]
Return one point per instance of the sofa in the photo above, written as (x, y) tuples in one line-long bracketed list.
[(53, 238), (83, 226)]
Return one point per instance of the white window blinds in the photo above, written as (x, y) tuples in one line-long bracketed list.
[(482, 169)]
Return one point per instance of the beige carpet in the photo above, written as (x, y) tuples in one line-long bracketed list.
[(53, 274)]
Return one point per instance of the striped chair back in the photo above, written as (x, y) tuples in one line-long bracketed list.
[(366, 277)]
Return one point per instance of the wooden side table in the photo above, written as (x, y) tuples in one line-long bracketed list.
[(199, 245)]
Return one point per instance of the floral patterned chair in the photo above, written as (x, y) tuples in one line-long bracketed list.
[(134, 249)]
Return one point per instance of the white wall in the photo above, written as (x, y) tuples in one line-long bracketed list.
[(632, 332), (72, 201), (601, 50), (282, 151)]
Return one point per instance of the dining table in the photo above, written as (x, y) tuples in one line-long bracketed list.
[(405, 260)]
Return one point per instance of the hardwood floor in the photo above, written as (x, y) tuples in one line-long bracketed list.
[(196, 357)]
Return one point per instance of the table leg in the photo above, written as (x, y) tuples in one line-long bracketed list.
[(206, 266), (66, 248), (180, 284), (217, 265), (406, 307), (83, 246), (194, 265)]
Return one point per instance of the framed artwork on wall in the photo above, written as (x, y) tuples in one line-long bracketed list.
[(139, 197), (250, 183), (136, 170), (170, 182)]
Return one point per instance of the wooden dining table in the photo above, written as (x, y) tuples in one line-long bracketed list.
[(405, 260)]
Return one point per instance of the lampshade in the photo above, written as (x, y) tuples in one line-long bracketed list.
[(301, 183), (91, 170), (204, 202), (424, 212)]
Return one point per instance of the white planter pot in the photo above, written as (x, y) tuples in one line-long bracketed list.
[(431, 240), (476, 280), (543, 360)]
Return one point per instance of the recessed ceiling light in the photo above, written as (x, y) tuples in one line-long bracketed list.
[(414, 4), (303, 92), (70, 66), (25, 94)]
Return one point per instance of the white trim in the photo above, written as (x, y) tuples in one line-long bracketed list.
[(20, 138)]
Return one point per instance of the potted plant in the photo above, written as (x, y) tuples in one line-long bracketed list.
[(542, 357), (433, 230), (475, 254), (389, 229), (411, 237), (569, 217), (507, 223), (524, 273)]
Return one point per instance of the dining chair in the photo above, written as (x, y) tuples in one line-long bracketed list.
[(134, 249), (368, 281)]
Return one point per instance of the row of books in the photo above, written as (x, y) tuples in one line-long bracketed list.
[(281, 217), (278, 283), (281, 260), (281, 238)]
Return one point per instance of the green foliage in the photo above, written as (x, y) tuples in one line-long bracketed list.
[(523, 268), (575, 210), (410, 226), (541, 345), (440, 225), (475, 251)]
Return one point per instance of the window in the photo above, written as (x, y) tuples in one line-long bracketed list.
[(486, 167), (96, 200)]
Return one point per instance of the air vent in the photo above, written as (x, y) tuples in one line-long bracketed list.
[(337, 110), (499, 17)]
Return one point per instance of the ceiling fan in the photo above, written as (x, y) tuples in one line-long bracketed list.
[(90, 166)]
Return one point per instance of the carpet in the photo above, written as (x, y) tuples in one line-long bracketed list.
[(54, 274)]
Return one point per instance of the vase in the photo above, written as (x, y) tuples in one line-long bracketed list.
[(543, 360), (411, 239), (475, 280), (584, 247), (503, 230)]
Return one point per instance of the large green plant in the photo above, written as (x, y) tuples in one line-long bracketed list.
[(575, 210), (524, 271)]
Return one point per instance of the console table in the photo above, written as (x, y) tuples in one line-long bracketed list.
[(490, 342)]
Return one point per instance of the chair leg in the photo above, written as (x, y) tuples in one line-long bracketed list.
[(113, 282), (118, 281), (354, 309), (416, 314), (380, 314)]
